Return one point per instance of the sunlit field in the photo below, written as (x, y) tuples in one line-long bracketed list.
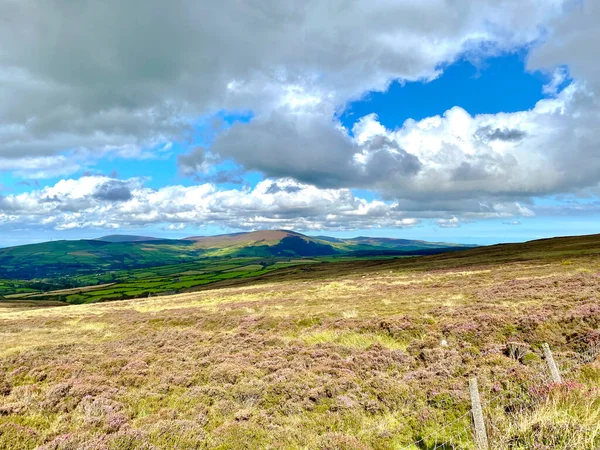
[(351, 355)]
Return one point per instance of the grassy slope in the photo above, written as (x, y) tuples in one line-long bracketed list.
[(341, 356), (59, 258), (69, 258)]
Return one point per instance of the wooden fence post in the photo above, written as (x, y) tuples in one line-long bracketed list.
[(478, 423), (551, 363)]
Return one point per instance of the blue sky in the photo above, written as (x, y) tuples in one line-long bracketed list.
[(497, 84), (480, 131)]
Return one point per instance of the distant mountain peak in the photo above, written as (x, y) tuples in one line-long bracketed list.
[(248, 236)]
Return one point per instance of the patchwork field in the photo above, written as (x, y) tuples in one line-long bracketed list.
[(346, 355)]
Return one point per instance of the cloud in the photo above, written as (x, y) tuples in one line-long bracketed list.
[(113, 191), (311, 148), (496, 134), (453, 222), (91, 79), (95, 80), (274, 188), (488, 158), (192, 162), (570, 42), (280, 203)]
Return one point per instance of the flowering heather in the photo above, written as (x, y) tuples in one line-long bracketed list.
[(369, 355)]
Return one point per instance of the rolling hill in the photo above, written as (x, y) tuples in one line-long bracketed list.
[(120, 252)]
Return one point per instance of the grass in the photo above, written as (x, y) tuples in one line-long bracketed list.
[(63, 260), (353, 339), (345, 355), (144, 282)]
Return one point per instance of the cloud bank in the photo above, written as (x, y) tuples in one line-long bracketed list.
[(92, 81)]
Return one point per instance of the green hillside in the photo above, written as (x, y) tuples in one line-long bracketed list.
[(113, 253), (62, 258)]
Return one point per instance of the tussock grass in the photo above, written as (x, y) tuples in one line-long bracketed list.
[(353, 339)]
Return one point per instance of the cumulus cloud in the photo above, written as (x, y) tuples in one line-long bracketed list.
[(453, 156), (87, 80), (124, 78), (452, 222), (280, 203)]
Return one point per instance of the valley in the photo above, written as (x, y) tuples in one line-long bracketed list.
[(120, 267)]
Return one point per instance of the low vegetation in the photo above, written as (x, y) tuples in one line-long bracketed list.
[(345, 355), (59, 262)]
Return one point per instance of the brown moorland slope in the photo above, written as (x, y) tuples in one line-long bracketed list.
[(361, 355), (252, 237)]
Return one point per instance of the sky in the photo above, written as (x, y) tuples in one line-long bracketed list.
[(443, 120)]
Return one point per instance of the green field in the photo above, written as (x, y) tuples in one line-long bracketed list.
[(125, 284), (61, 261)]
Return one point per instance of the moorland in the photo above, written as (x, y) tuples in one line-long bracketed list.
[(368, 354)]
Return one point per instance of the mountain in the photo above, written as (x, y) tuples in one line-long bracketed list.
[(121, 252), (283, 240), (126, 238), (264, 243), (374, 245)]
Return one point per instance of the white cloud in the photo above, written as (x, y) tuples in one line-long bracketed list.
[(82, 83), (280, 203), (454, 156), (122, 78), (453, 222)]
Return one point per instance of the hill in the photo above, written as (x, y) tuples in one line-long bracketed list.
[(264, 243), (286, 243), (118, 252), (352, 355), (126, 238), (66, 258)]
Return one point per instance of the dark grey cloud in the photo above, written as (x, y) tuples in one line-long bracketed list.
[(113, 191), (310, 148), (388, 159), (50, 199), (191, 163), (572, 44), (488, 133), (283, 144), (274, 188)]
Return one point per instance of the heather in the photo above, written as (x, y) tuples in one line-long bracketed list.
[(357, 355)]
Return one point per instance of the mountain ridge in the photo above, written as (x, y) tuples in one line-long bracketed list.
[(123, 252)]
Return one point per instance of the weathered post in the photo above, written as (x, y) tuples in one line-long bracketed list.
[(480, 434), (554, 372)]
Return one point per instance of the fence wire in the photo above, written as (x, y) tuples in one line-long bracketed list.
[(568, 361)]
